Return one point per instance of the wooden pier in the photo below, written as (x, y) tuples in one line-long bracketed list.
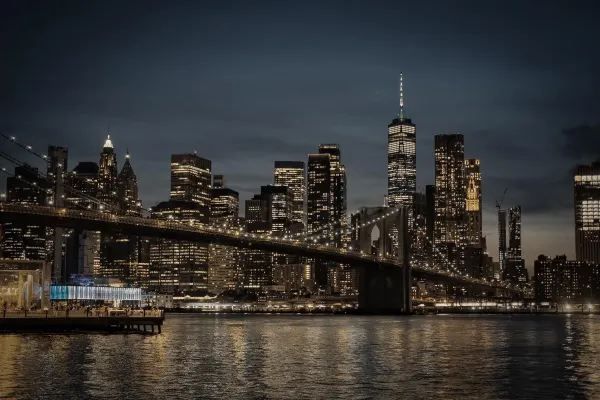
[(109, 324)]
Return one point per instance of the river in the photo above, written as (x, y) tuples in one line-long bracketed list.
[(314, 357)]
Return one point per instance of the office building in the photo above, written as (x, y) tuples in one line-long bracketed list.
[(291, 174), (450, 198), (586, 182)]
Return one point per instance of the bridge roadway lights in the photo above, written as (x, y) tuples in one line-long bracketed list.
[(384, 290)]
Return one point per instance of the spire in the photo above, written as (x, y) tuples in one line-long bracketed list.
[(108, 143), (127, 156), (401, 115)]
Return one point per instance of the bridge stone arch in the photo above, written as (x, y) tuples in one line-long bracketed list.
[(383, 291)]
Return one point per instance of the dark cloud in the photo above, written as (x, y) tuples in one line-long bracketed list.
[(582, 142), (246, 83)]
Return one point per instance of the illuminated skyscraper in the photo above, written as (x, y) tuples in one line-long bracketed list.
[(180, 267), (450, 197), (83, 247), (502, 240), (25, 241), (120, 255), (473, 202), (107, 176), (223, 261), (291, 174), (56, 174), (326, 211), (127, 190), (402, 158), (514, 264), (587, 212), (191, 180)]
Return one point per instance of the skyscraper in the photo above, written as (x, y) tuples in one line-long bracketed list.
[(402, 158), (473, 201), (127, 190), (514, 264), (223, 261), (107, 176), (120, 255), (25, 241), (326, 210), (191, 180), (501, 241), (450, 197), (56, 173), (587, 212), (83, 247), (176, 266), (291, 174), (318, 198)]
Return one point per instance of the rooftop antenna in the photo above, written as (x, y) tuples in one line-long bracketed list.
[(401, 98)]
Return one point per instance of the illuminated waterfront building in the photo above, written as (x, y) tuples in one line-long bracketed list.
[(559, 280), (257, 265), (402, 159), (450, 198), (587, 212), (291, 174), (25, 241), (178, 267)]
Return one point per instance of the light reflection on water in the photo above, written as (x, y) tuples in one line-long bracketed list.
[(347, 357)]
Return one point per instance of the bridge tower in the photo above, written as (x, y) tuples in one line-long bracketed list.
[(57, 167), (384, 289)]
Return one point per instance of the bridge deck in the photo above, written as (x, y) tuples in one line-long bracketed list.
[(139, 226)]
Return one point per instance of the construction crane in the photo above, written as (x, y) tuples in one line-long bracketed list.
[(499, 203)]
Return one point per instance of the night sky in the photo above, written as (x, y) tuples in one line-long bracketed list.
[(247, 83)]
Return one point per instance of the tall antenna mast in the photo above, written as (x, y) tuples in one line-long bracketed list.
[(401, 98)]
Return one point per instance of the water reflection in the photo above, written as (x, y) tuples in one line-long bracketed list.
[(234, 356)]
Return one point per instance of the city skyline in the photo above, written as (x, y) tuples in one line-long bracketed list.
[(353, 109)]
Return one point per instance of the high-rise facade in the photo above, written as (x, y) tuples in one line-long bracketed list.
[(25, 241), (586, 182), (450, 198), (127, 190), (502, 248), (292, 175), (178, 267), (181, 267), (514, 270), (83, 247), (402, 159), (55, 175), (191, 181), (120, 255), (107, 176), (326, 212), (223, 261), (473, 202)]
